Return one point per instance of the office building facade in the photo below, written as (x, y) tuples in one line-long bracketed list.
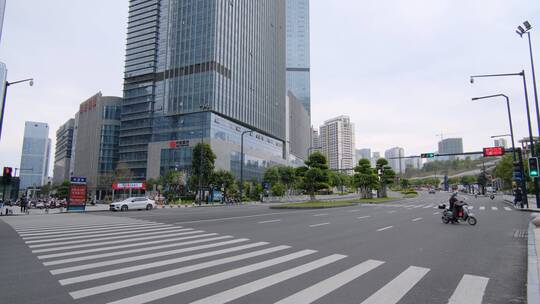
[(298, 51), (338, 142), (363, 153), (394, 156), (448, 146), (35, 156), (298, 130), (193, 67), (95, 144), (63, 153)]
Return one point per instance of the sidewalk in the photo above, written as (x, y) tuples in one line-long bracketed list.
[(509, 199), (16, 211), (533, 258)]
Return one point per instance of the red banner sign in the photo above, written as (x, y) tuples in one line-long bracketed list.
[(494, 151), (77, 195)]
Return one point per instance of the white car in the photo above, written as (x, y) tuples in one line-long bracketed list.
[(133, 203)]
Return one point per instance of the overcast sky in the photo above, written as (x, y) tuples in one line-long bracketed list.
[(400, 69)]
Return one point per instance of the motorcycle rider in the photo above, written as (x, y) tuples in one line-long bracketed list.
[(452, 205)]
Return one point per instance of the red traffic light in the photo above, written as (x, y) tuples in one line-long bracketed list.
[(494, 151), (8, 171)]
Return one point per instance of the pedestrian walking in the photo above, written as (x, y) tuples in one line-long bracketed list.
[(22, 203), (518, 197)]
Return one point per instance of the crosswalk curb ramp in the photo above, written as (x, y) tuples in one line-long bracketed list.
[(95, 268)]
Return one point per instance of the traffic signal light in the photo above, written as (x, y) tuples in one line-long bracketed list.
[(533, 167), (7, 175), (427, 155)]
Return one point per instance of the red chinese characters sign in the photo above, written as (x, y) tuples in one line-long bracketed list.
[(494, 151)]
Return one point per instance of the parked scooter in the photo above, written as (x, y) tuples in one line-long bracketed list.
[(463, 214)]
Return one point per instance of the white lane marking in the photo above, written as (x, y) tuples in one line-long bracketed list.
[(393, 211), (418, 206), (494, 208), (143, 257), (318, 225), (364, 217), (356, 210), (507, 208), (170, 273), (470, 290), (436, 213), (270, 221), (146, 234), (68, 232), (417, 219), (111, 254), (482, 208), (321, 214), (319, 290), (110, 273), (78, 252), (101, 235), (115, 242), (470, 207), (392, 292), (64, 228), (428, 206), (241, 217), (241, 291), (182, 287), (385, 228)]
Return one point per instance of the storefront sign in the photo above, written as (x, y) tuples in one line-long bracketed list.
[(178, 143), (77, 194), (127, 186)]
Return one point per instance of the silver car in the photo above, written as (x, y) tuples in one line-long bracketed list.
[(133, 203)]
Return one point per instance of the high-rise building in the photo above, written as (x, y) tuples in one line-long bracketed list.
[(501, 142), (298, 129), (63, 153), (450, 145), (337, 141), (36, 151), (414, 163), (2, 13), (395, 159), (363, 153), (204, 70), (375, 157), (315, 140), (298, 51), (95, 144)]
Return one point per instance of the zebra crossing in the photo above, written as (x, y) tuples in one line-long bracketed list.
[(435, 206), (107, 261)]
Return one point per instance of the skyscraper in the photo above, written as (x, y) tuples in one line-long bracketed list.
[(450, 145), (298, 51), (394, 157), (2, 13), (95, 144), (63, 153), (36, 151), (337, 141), (203, 70)]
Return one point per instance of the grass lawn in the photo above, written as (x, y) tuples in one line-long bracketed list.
[(318, 204), (377, 199), (410, 195)]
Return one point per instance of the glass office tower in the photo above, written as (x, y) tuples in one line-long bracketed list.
[(189, 62), (298, 57)]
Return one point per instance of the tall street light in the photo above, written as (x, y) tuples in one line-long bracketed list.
[(522, 31), (203, 108), (509, 117), (522, 74), (242, 163), (6, 85)]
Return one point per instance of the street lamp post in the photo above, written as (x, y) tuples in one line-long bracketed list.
[(203, 108), (522, 74), (7, 84), (242, 163), (522, 31), (509, 118)]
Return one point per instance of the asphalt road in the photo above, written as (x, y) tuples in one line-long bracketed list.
[(397, 252)]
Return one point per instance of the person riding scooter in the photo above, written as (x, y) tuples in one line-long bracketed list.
[(453, 205)]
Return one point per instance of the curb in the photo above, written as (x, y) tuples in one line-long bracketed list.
[(320, 207), (533, 278), (520, 209)]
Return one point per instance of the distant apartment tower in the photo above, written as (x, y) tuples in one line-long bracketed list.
[(315, 140), (97, 127), (298, 51), (501, 142), (338, 143), (63, 153), (204, 70), (36, 151), (414, 163), (363, 153), (375, 157), (395, 159), (449, 146)]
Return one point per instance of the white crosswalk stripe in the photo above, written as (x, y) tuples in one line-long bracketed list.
[(470, 290), (507, 208), (482, 208), (392, 292), (110, 262), (494, 208)]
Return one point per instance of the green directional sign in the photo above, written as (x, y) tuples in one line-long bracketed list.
[(427, 155)]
